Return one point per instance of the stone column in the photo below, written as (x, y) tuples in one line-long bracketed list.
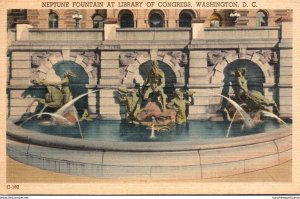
[(20, 68), (285, 81), (198, 81), (92, 101), (110, 80), (109, 75)]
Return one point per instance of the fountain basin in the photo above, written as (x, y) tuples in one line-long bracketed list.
[(207, 158)]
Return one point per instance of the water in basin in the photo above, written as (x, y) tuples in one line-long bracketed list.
[(104, 130)]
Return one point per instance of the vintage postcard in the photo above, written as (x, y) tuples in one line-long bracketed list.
[(149, 97)]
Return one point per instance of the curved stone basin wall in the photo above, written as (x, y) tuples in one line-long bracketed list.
[(150, 160)]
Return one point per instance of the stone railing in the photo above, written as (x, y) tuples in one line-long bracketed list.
[(65, 34), (242, 33), (154, 34)]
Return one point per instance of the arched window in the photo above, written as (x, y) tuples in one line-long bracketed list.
[(98, 21), (53, 20), (185, 19), (261, 18), (126, 19), (215, 20), (156, 19)]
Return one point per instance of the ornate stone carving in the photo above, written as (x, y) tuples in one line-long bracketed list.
[(131, 61), (268, 56), (90, 57), (43, 62), (214, 57), (123, 72), (127, 58), (177, 57), (38, 57)]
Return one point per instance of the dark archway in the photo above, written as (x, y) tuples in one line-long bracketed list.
[(77, 84), (126, 19), (98, 21), (156, 19), (185, 18), (53, 20), (170, 77), (254, 75), (261, 18)]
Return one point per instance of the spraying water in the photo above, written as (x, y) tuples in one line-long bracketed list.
[(63, 110), (228, 130), (248, 122), (233, 118), (77, 120), (152, 135), (46, 113), (272, 115)]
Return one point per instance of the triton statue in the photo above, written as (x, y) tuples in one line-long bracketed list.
[(132, 100), (178, 103)]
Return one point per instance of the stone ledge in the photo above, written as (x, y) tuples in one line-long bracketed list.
[(176, 173), (126, 172), (222, 169), (89, 163), (234, 154), (120, 158), (285, 156), (261, 162)]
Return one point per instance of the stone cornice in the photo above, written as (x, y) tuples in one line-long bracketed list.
[(232, 44), (241, 28), (147, 44), (66, 30)]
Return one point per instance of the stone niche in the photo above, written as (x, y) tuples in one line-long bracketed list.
[(217, 61), (43, 62), (208, 85), (260, 73), (131, 61)]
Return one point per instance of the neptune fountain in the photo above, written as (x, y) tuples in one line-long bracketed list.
[(155, 126)]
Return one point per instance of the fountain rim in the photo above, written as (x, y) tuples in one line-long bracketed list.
[(15, 132)]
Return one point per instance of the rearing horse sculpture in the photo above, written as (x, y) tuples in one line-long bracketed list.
[(53, 98)]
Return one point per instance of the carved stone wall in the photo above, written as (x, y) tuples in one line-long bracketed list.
[(131, 61), (218, 61), (43, 62)]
